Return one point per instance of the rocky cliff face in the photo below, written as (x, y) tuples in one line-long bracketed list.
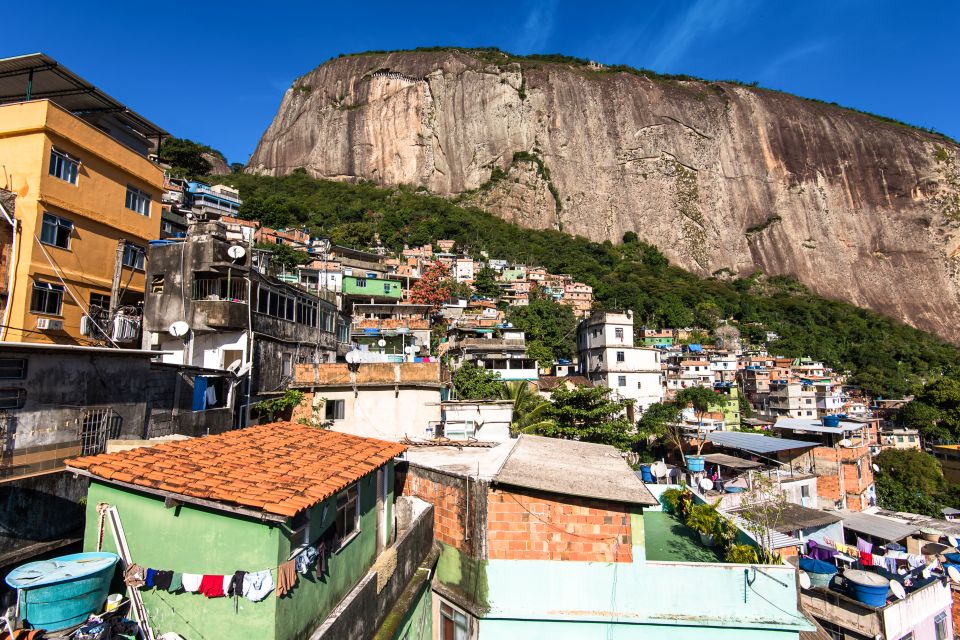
[(725, 179)]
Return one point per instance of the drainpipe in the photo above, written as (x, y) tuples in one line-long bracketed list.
[(15, 227)]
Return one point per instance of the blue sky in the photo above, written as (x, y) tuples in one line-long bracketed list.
[(216, 71)]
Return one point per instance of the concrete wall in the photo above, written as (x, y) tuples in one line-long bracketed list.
[(491, 419), (378, 412), (39, 512), (390, 600)]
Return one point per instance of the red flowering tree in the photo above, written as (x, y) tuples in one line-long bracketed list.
[(433, 288)]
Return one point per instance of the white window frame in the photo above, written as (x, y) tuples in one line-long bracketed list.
[(49, 288), (454, 611), (940, 626), (339, 409), (350, 495), (57, 224), (64, 166), (138, 201)]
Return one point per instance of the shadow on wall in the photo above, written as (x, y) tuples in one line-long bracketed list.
[(40, 509)]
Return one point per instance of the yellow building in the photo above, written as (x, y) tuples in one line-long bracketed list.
[(949, 457), (87, 204)]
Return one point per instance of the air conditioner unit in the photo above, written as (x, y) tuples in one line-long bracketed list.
[(86, 326), (49, 324)]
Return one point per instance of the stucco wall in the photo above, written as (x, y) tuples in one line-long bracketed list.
[(380, 412)]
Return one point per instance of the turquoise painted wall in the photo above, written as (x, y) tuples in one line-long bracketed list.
[(197, 540)]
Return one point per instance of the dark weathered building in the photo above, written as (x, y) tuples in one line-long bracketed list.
[(211, 304)]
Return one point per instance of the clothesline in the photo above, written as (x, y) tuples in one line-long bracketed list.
[(892, 559), (252, 585)]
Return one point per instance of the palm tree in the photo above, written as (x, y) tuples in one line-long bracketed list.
[(531, 413)]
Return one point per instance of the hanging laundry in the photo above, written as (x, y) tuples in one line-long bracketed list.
[(176, 582), (863, 545), (211, 396), (305, 560), (212, 586), (236, 584), (818, 552), (257, 585), (866, 559), (162, 579), (135, 576), (191, 582), (286, 577), (879, 561), (148, 581), (914, 561)]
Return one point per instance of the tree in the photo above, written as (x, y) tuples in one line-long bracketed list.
[(589, 414), (485, 283), (700, 399), (358, 235), (662, 422), (762, 508), (530, 411), (471, 382), (283, 256), (185, 157), (540, 352), (433, 288), (548, 321), (935, 411)]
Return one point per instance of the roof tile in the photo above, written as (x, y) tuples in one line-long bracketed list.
[(281, 468)]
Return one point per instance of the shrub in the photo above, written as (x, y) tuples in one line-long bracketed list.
[(703, 518), (741, 554)]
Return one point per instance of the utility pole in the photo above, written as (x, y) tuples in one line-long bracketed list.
[(117, 272)]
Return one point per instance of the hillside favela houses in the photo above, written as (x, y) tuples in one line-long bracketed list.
[(212, 427)]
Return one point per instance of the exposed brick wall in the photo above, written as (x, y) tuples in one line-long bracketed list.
[(537, 526), (454, 524)]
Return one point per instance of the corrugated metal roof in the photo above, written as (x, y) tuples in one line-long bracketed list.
[(877, 526), (756, 443), (777, 540), (815, 426), (732, 462), (52, 81)]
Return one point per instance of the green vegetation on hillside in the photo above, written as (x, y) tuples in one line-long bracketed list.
[(886, 357), (186, 157)]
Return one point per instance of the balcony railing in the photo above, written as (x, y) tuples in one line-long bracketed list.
[(220, 289)]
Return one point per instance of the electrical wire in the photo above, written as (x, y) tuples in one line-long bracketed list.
[(67, 288)]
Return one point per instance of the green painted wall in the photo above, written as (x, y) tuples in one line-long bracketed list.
[(417, 623), (191, 540), (658, 342), (196, 540), (729, 406), (297, 613), (377, 287)]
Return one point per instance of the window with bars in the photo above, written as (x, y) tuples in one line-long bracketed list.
[(138, 201), (56, 231), (13, 368), (96, 427), (64, 167), (12, 398), (47, 298), (99, 301)]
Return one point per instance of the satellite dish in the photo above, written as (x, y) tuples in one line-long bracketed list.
[(845, 443), (659, 469), (353, 357), (876, 468), (408, 350), (898, 590), (416, 348), (179, 329), (953, 541), (706, 484), (236, 252), (381, 342), (235, 365), (954, 574), (804, 580)]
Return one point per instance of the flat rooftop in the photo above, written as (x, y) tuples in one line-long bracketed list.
[(668, 540)]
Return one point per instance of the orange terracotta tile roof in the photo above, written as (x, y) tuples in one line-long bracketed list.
[(280, 468)]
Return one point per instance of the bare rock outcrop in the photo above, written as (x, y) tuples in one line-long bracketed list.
[(721, 177)]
